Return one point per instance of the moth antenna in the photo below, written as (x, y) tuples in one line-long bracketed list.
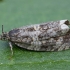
[(2, 29)]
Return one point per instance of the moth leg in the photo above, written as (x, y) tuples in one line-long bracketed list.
[(10, 44)]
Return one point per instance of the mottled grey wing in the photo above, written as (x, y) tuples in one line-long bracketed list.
[(43, 37), (40, 31), (52, 44)]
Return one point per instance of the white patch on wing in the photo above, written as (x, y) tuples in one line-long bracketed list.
[(62, 22), (64, 27)]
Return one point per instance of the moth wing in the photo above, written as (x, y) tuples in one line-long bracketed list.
[(42, 31), (52, 44), (22, 45), (54, 29), (44, 37)]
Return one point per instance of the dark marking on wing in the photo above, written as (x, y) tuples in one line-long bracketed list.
[(13, 32)]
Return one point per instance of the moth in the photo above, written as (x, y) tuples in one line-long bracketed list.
[(50, 36)]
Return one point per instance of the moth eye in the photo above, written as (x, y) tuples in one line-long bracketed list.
[(4, 38)]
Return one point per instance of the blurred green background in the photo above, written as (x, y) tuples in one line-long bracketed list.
[(17, 13)]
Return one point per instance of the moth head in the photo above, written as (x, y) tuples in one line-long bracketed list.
[(4, 35)]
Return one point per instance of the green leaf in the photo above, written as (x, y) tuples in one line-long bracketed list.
[(17, 13)]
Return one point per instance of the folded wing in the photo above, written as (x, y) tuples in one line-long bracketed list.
[(50, 36)]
